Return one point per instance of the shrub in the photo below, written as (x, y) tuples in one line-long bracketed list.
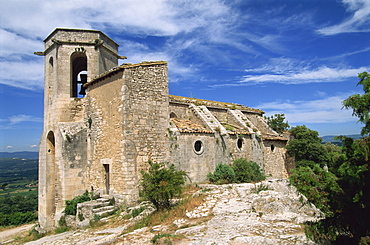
[(247, 171), (161, 184), (71, 205), (223, 174)]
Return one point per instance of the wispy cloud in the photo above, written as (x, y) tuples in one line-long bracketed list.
[(321, 74), (181, 23), (290, 71), (23, 74), (358, 22), (23, 118), (327, 110)]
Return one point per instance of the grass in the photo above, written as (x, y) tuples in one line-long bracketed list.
[(167, 217)]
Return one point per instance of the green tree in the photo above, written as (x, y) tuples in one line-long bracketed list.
[(319, 186), (160, 184), (350, 221), (277, 123), (306, 147), (360, 104)]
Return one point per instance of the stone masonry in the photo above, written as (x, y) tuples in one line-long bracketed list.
[(104, 122)]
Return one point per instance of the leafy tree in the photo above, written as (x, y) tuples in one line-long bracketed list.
[(306, 146), (335, 156), (360, 104), (247, 171), (277, 123), (318, 186), (349, 222), (223, 174), (160, 184)]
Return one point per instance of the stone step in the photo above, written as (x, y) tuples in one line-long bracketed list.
[(105, 212), (101, 209), (101, 199), (92, 204)]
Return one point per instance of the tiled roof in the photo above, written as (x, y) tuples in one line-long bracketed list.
[(187, 126), (232, 129), (273, 137), (216, 104)]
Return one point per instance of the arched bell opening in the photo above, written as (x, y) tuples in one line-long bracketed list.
[(78, 74)]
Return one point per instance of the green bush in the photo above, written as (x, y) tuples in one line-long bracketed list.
[(223, 174), (247, 171), (71, 205), (161, 184)]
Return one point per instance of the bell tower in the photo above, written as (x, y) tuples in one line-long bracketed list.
[(71, 58)]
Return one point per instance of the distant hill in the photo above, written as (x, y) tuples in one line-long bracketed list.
[(330, 138), (20, 154)]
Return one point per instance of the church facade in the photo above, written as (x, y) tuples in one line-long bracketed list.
[(104, 122)]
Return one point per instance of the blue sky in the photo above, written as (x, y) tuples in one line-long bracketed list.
[(297, 57)]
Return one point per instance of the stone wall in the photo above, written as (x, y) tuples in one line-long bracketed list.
[(274, 156), (129, 121), (104, 118), (146, 121)]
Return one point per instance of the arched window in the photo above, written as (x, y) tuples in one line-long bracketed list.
[(173, 115), (78, 74), (272, 147), (51, 62), (239, 143)]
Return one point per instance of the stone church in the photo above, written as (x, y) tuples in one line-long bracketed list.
[(103, 122)]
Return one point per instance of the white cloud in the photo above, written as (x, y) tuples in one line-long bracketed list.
[(358, 22), (22, 74), (174, 20), (285, 73), (327, 110), (322, 74), (9, 147), (12, 44), (33, 146), (23, 118)]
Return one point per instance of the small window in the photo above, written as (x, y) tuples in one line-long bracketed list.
[(198, 147), (239, 143), (272, 147), (51, 61), (173, 115)]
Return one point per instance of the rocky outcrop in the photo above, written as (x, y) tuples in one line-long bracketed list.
[(269, 212)]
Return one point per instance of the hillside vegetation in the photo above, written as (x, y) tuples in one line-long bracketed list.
[(18, 193), (18, 176)]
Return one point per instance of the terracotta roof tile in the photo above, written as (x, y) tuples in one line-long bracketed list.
[(273, 137), (210, 103), (187, 126)]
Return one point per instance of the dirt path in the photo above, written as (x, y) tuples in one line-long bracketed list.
[(9, 234)]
